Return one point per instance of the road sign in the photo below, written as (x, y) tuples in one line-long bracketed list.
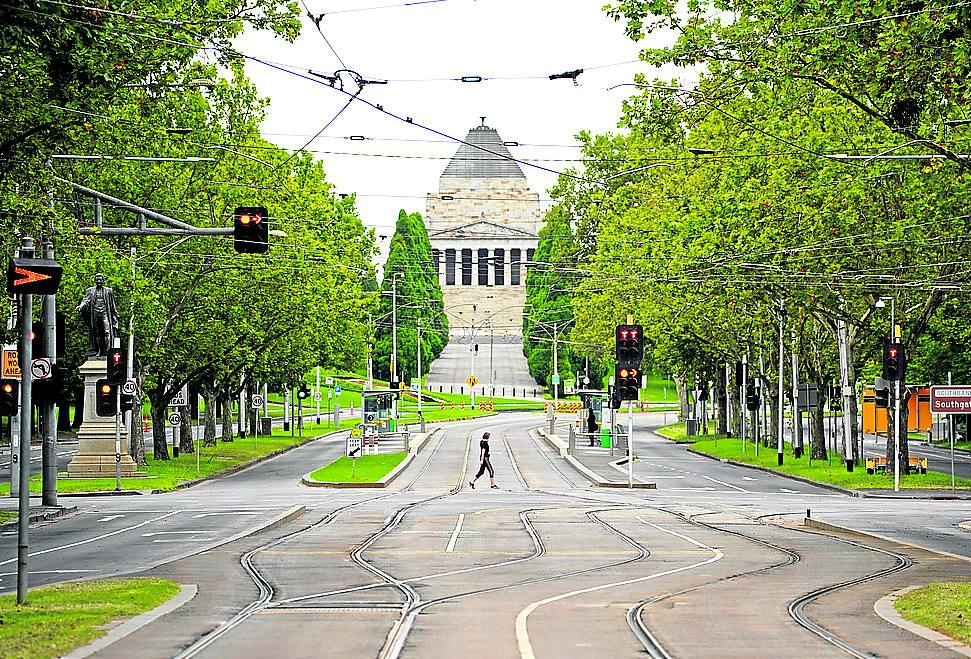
[(175, 418), (414, 386), (472, 381), (353, 447), (40, 368), (256, 400), (11, 363), (180, 399), (951, 399), (338, 390), (40, 276), (356, 431), (328, 381), (555, 379), (129, 387), (316, 395)]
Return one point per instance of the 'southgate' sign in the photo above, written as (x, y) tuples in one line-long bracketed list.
[(951, 399)]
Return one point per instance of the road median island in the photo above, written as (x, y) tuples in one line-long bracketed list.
[(830, 474), (944, 607), (59, 618), (365, 471), (677, 433)]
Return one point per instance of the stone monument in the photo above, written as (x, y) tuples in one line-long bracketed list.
[(96, 456)]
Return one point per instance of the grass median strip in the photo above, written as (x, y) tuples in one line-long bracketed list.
[(365, 469), (831, 471), (59, 618), (944, 607)]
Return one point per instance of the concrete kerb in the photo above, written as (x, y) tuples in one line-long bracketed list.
[(884, 607), (41, 516), (132, 625), (672, 439), (309, 481), (808, 481), (595, 479), (638, 483)]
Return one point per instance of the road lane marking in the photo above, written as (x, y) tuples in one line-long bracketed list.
[(235, 512), (154, 533), (734, 487), (95, 538), (455, 534), (180, 540), (748, 478), (522, 634), (11, 574), (789, 491), (109, 518)]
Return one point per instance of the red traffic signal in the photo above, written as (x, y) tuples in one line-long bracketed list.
[(9, 397), (38, 276), (894, 361), (251, 232), (116, 365), (629, 345)]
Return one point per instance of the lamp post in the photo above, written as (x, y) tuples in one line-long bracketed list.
[(394, 324)]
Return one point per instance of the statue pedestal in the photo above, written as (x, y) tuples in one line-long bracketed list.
[(96, 437)]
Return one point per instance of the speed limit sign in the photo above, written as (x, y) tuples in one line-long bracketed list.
[(256, 401), (129, 387), (175, 418)]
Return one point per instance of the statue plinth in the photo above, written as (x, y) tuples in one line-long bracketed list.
[(96, 437)]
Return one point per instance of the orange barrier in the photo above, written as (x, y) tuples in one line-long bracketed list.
[(919, 417)]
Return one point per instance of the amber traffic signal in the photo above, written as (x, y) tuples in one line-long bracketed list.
[(9, 397), (626, 382), (106, 403), (251, 232)]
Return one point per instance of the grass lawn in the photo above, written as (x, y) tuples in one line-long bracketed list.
[(944, 607), (8, 515), (824, 471), (365, 469), (65, 616), (676, 431), (167, 474)]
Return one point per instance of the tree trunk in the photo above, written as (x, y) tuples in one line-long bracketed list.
[(682, 397), (817, 427), (721, 427), (209, 436), (160, 449), (227, 416), (772, 437), (185, 434), (136, 430)]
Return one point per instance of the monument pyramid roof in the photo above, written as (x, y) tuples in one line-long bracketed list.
[(484, 156)]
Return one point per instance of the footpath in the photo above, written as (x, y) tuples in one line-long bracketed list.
[(603, 467)]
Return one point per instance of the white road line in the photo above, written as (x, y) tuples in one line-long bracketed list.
[(181, 540), (109, 518), (149, 535), (734, 487), (749, 478), (236, 512), (455, 534), (788, 491), (94, 539), (11, 574), (522, 634)]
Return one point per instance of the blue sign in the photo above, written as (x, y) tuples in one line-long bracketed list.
[(337, 389)]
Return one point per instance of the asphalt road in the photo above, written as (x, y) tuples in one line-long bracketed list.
[(545, 566), (504, 355)]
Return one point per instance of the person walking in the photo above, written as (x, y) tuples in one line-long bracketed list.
[(592, 426), (484, 463)]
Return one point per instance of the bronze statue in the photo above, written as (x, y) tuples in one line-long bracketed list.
[(99, 313)]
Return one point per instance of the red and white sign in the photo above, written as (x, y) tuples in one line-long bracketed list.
[(951, 399)]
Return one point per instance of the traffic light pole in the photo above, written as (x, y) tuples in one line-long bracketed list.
[(741, 396), (118, 429), (26, 313), (782, 328), (630, 444), (49, 450), (896, 435)]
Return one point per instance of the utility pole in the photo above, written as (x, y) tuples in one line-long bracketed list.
[(782, 328), (741, 396), (421, 419), (847, 393), (318, 396), (556, 370), (897, 440), (49, 469), (394, 325), (796, 412), (133, 418)]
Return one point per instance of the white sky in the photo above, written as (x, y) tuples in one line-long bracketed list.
[(447, 39)]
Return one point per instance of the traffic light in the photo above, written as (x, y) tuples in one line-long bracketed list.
[(38, 276), (105, 398), (127, 402), (894, 361), (251, 232), (303, 393), (835, 399), (626, 382), (37, 340), (9, 397), (882, 398), (116, 365), (629, 345), (52, 389), (751, 396)]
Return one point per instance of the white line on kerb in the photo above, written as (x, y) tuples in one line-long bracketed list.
[(455, 534), (522, 635)]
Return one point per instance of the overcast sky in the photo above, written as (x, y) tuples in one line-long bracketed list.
[(414, 47)]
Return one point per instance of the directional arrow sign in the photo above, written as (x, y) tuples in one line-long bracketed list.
[(39, 276)]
